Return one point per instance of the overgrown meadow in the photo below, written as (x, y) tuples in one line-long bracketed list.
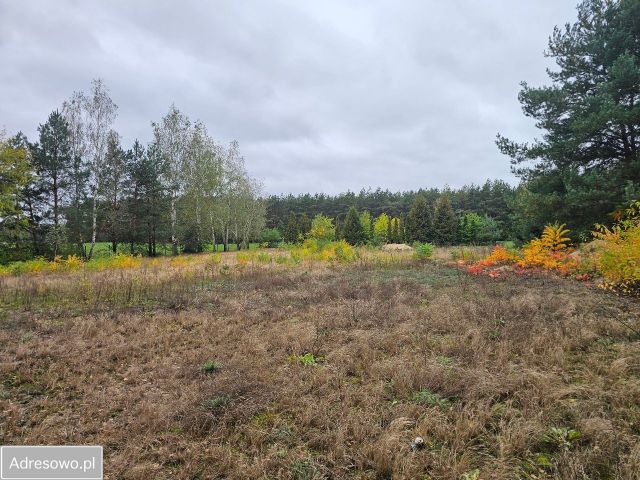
[(319, 363)]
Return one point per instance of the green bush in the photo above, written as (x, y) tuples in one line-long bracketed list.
[(423, 251), (271, 237)]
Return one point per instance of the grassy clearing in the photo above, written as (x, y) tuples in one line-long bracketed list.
[(315, 370)]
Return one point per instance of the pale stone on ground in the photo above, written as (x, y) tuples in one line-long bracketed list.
[(396, 247)]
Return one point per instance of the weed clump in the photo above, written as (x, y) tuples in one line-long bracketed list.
[(308, 359), (427, 397), (423, 251), (210, 366)]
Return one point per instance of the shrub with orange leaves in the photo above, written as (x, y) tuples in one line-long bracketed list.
[(550, 251), (499, 255)]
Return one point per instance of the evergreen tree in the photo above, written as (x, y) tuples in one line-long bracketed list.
[(31, 198), (587, 161), (114, 174), (304, 224), (291, 230), (445, 223), (469, 228), (395, 231), (352, 230), (53, 164), (420, 221)]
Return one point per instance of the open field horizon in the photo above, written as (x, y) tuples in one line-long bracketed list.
[(318, 371)]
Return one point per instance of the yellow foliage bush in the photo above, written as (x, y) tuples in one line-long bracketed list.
[(313, 249), (244, 258), (181, 261), (500, 255), (117, 261), (554, 237), (618, 256), (551, 251), (73, 263)]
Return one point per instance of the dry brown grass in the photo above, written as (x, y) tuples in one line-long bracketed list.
[(82, 363)]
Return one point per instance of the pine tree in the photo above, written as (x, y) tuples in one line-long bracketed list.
[(352, 230), (445, 224), (586, 161), (114, 175), (53, 164), (304, 224), (420, 221), (291, 230), (395, 231)]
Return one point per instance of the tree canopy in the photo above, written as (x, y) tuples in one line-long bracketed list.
[(586, 163)]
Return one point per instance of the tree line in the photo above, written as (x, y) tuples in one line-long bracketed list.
[(77, 185), (424, 223), (471, 214)]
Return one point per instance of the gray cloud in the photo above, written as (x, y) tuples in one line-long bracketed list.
[(322, 96)]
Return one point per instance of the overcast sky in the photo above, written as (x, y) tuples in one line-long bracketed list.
[(323, 96)]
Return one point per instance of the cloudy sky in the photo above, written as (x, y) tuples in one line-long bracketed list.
[(322, 95)]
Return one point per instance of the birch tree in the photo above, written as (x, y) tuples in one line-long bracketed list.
[(202, 177), (74, 114), (172, 140), (100, 113)]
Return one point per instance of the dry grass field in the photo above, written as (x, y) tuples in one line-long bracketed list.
[(310, 371)]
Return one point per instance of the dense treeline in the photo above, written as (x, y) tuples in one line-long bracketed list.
[(424, 223), (489, 203), (77, 185)]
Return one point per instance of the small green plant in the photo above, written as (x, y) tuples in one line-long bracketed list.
[(210, 366), (217, 402), (214, 260), (305, 470), (560, 438), (471, 474), (423, 251), (308, 359), (263, 257), (427, 397), (445, 361)]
